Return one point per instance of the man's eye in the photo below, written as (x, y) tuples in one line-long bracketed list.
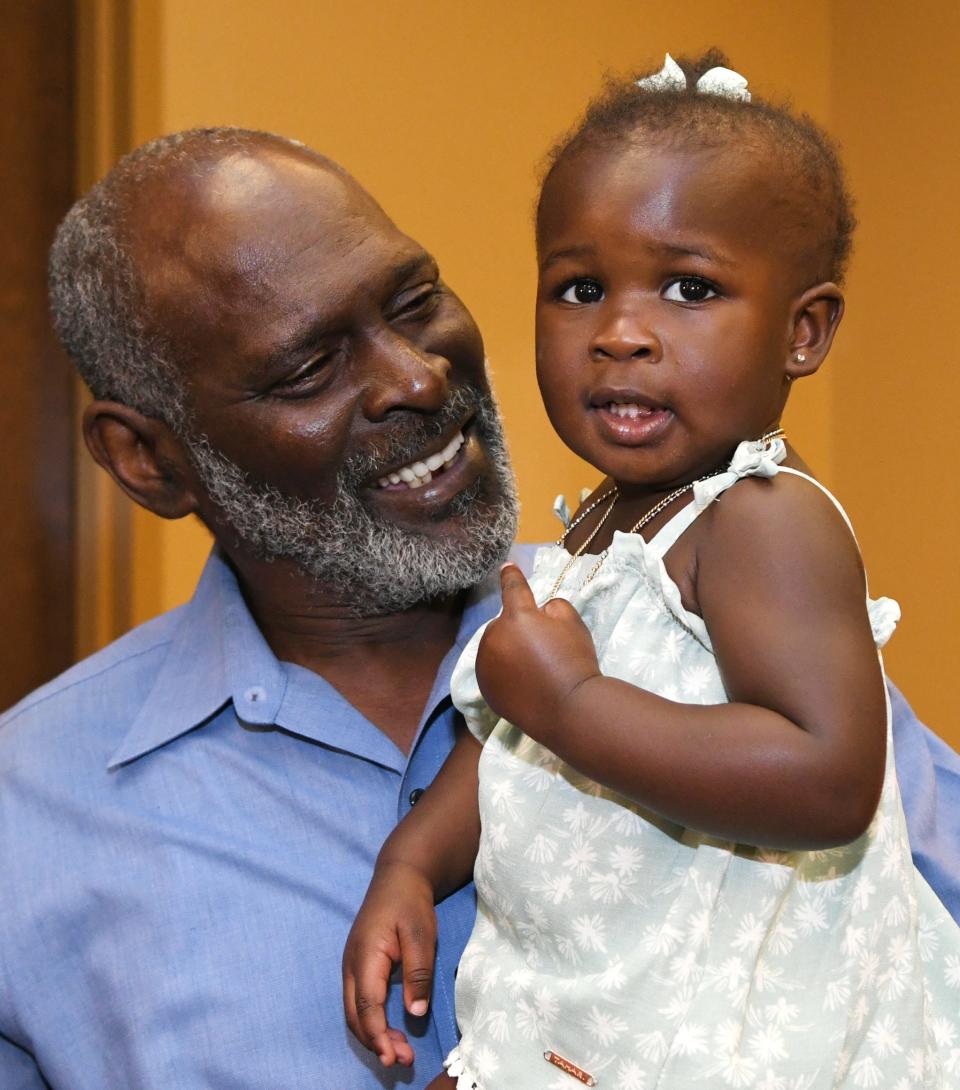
[(422, 301), (689, 289), (583, 291), (306, 373)]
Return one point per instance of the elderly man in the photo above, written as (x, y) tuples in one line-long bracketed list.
[(188, 819)]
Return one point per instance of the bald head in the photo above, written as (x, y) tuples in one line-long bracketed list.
[(173, 236)]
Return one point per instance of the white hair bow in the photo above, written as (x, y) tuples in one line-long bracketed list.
[(717, 81)]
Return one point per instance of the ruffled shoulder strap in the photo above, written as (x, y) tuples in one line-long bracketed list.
[(750, 459), (753, 458)]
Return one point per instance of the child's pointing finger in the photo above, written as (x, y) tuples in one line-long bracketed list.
[(515, 590)]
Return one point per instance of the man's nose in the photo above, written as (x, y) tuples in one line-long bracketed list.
[(626, 334), (402, 375)]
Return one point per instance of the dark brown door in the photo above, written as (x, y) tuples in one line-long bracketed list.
[(37, 170)]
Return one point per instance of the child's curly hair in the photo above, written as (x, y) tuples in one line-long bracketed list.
[(813, 178)]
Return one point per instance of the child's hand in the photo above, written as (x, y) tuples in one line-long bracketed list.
[(396, 923), (532, 658)]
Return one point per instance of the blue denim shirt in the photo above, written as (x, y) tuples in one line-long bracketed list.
[(187, 828)]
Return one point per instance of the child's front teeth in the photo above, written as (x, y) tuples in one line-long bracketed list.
[(633, 411), (417, 474)]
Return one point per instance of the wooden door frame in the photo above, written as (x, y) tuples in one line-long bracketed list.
[(118, 96), (37, 533)]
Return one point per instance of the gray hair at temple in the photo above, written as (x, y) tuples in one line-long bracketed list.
[(97, 297)]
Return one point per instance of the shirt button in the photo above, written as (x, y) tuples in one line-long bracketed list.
[(255, 695), (415, 795)]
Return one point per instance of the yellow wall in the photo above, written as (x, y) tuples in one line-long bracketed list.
[(444, 109), (897, 378)]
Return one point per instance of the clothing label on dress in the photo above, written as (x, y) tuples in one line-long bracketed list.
[(571, 1068)]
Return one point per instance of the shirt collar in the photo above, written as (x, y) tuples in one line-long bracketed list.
[(217, 655)]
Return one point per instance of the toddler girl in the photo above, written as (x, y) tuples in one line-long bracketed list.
[(689, 851)]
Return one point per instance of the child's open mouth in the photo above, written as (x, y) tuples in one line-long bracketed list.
[(631, 411), (633, 422)]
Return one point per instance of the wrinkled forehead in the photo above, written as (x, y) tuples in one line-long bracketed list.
[(254, 232)]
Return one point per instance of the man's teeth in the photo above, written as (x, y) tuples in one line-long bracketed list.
[(630, 410), (417, 474)]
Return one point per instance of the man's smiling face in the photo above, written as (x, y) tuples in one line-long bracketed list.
[(334, 384)]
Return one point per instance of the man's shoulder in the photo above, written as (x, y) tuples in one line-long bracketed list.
[(117, 676)]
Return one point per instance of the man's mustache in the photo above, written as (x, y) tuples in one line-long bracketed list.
[(406, 443)]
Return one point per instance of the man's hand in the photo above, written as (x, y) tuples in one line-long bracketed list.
[(396, 923), (531, 659)]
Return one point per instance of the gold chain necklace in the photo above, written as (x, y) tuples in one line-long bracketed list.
[(615, 493), (766, 439), (583, 514)]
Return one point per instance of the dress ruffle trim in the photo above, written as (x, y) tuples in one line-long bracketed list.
[(884, 616), (454, 1067), (480, 717)]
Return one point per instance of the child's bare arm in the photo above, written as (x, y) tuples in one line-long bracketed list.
[(430, 854), (796, 759)]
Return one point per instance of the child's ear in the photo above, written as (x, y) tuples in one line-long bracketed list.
[(816, 315), (142, 455)]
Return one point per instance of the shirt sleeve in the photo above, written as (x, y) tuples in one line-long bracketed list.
[(18, 1070), (928, 771)]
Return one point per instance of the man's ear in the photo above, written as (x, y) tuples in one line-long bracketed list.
[(816, 316), (143, 456)]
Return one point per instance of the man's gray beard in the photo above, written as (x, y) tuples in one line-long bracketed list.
[(373, 566)]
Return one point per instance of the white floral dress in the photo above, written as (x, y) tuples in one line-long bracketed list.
[(615, 949)]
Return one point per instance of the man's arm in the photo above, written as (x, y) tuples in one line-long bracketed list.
[(929, 774), (18, 1071)]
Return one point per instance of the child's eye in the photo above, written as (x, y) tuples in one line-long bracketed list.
[(689, 289), (583, 291)]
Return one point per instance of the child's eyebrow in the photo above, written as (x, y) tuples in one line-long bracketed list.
[(705, 252), (668, 249), (560, 255)]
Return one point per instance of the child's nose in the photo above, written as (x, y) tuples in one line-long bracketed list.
[(625, 337)]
